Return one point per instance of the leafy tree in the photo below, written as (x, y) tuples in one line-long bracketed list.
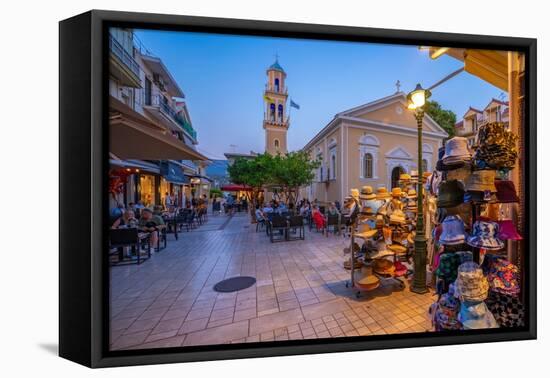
[(255, 172), (291, 171), (444, 118)]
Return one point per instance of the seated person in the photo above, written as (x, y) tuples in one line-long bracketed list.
[(332, 209), (260, 218), (152, 224), (267, 209), (318, 218), (282, 208)]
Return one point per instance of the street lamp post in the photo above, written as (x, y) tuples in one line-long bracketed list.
[(417, 101)]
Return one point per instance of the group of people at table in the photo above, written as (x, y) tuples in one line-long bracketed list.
[(150, 219), (305, 208)]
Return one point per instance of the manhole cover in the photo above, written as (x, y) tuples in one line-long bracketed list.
[(234, 284)]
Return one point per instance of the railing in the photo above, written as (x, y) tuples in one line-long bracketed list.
[(275, 120), (166, 108), (272, 88), (123, 55)]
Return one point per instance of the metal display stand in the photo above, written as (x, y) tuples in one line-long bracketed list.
[(381, 277)]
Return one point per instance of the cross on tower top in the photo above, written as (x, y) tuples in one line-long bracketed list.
[(398, 85)]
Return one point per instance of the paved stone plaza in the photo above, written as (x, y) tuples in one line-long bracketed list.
[(169, 301)]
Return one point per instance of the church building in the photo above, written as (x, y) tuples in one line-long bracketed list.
[(371, 144)]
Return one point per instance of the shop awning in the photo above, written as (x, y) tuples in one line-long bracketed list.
[(488, 65), (236, 188), (133, 136), (173, 173)]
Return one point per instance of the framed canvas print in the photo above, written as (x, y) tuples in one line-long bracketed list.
[(235, 188)]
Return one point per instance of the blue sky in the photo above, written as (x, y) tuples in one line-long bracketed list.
[(223, 78)]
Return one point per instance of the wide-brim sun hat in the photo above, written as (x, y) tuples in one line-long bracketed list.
[(382, 193), (476, 316), (368, 282)]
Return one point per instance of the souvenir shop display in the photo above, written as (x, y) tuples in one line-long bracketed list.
[(471, 224), (384, 227)]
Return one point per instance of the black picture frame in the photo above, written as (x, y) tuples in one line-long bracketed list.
[(83, 104)]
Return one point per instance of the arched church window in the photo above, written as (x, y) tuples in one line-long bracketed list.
[(276, 143), (277, 85), (367, 166), (280, 112), (272, 112)]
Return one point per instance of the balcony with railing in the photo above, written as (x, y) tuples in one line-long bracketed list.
[(123, 65), (161, 105), (277, 121), (274, 89)]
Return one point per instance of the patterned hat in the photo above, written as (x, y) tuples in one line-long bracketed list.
[(476, 315), (447, 269), (445, 316), (471, 285), (484, 235), (452, 231), (506, 191), (450, 193), (503, 276), (507, 310), (497, 147), (481, 181)]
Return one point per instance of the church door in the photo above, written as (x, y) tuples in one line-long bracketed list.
[(395, 173)]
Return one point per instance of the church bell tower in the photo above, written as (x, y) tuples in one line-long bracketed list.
[(276, 120)]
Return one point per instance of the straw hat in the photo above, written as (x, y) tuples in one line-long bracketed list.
[(382, 193), (367, 193), (365, 232), (398, 249), (411, 194), (396, 193), (383, 267), (397, 217), (354, 193), (405, 177), (381, 251), (368, 282)]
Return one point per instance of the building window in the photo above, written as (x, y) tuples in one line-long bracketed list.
[(277, 85), (280, 112), (332, 170), (367, 166), (272, 112), (276, 143), (368, 156), (424, 165)]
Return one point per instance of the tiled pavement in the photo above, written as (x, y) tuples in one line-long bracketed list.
[(300, 292)]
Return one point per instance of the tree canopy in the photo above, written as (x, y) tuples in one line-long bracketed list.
[(284, 174), (444, 118)]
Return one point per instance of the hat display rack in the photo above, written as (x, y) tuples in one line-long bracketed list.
[(381, 236), (475, 179)]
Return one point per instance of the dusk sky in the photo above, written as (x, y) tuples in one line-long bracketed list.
[(223, 78)]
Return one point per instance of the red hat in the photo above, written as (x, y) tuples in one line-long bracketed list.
[(506, 191), (507, 230)]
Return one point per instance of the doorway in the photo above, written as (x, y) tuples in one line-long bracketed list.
[(395, 173)]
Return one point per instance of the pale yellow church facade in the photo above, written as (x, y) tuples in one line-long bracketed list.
[(371, 144)]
